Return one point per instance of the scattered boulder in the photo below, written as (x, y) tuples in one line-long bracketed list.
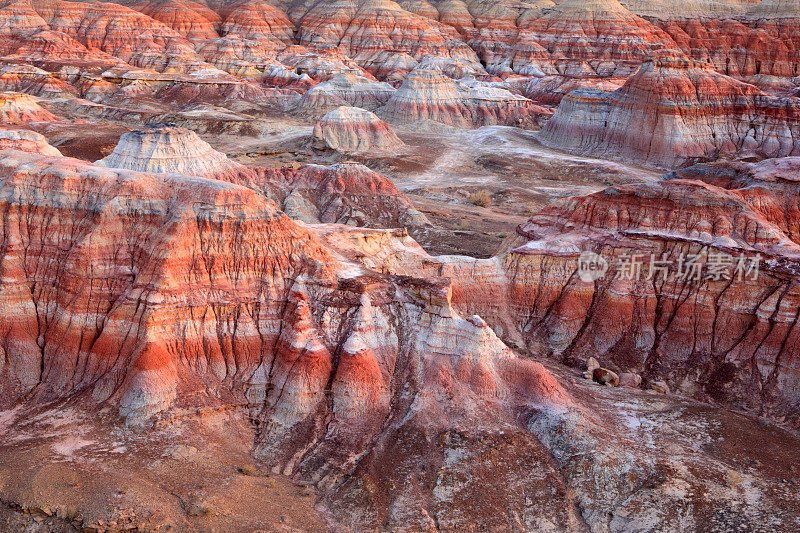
[(605, 377), (659, 386), (630, 379)]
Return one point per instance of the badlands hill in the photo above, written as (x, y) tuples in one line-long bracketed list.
[(367, 365), (322, 266), (674, 111), (350, 129)]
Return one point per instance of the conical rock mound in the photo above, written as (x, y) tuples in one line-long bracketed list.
[(164, 148), (350, 129)]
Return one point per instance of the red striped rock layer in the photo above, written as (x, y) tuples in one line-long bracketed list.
[(33, 81), (350, 129), (344, 193), (741, 48), (429, 95), (26, 141), (572, 38), (672, 112), (18, 108), (56, 30), (727, 337), (580, 37), (248, 19), (144, 292), (146, 237), (752, 38), (345, 89), (368, 32)]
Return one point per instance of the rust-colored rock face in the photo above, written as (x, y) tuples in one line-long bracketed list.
[(19, 108), (219, 304), (345, 193), (367, 31), (572, 38), (26, 141), (211, 286), (711, 307), (345, 89), (674, 111)]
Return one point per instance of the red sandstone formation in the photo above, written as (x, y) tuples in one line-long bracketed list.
[(700, 289), (429, 95), (573, 39), (100, 32), (26, 141), (33, 81), (191, 19), (211, 287), (18, 108), (351, 129), (720, 328), (760, 37), (550, 90), (168, 294), (368, 33), (320, 64), (588, 37), (674, 111), (345, 193), (345, 89)]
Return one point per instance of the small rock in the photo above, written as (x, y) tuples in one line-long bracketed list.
[(606, 377), (587, 375), (592, 364), (659, 386), (630, 379)]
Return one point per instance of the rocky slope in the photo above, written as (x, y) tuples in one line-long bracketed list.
[(218, 333), (19, 108), (674, 111), (355, 357), (210, 287), (711, 306), (697, 288), (345, 193), (367, 31), (345, 89), (26, 141), (569, 38)]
